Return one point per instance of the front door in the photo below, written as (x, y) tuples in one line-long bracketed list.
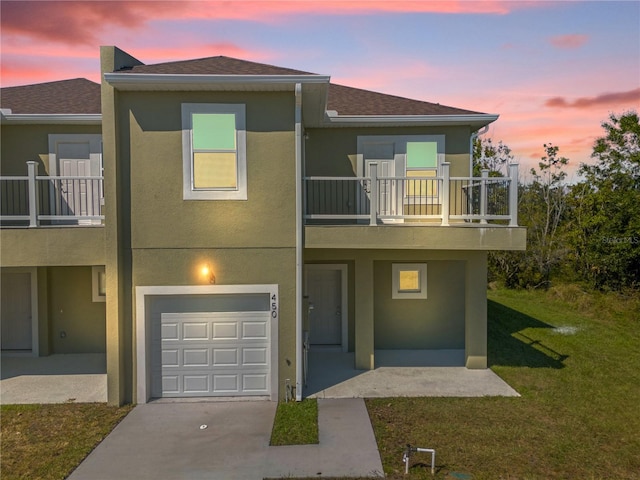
[(324, 288), (76, 156), (382, 153), (16, 314)]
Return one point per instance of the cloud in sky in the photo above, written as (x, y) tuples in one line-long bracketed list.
[(569, 41), (74, 22), (543, 77), (629, 98)]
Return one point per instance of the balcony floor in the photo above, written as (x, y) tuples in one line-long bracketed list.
[(462, 236)]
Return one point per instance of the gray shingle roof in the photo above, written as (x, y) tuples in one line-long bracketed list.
[(76, 96), (220, 65), (82, 96), (345, 100), (355, 101)]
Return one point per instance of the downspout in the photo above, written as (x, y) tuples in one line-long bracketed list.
[(299, 239), (472, 139)]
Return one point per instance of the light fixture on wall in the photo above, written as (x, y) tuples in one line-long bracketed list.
[(207, 272)]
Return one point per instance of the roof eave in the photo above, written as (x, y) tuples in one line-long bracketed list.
[(140, 81), (51, 118), (476, 121)]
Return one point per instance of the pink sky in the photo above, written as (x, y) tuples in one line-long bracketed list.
[(552, 70)]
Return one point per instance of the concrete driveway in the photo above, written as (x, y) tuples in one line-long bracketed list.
[(230, 440)]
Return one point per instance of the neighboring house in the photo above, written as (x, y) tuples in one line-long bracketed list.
[(50, 301), (247, 212)]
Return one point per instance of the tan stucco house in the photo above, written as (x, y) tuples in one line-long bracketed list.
[(206, 222)]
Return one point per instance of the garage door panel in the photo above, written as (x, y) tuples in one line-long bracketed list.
[(170, 358), (225, 331), (225, 357), (195, 331), (170, 384), (225, 384), (170, 331), (254, 383), (254, 356), (195, 357), (254, 330), (193, 384), (215, 354)]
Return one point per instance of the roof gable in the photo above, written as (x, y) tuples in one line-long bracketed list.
[(220, 65), (82, 96), (75, 96), (344, 100)]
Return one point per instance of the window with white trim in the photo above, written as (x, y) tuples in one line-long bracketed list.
[(421, 162), (214, 151), (409, 281)]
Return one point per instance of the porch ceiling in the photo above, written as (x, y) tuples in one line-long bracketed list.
[(51, 246)]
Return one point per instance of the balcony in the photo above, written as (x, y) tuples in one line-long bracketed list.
[(39, 200), (426, 200)]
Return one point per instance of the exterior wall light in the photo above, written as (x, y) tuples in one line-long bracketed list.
[(207, 272)]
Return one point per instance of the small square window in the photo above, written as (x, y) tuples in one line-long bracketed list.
[(98, 284), (409, 281)]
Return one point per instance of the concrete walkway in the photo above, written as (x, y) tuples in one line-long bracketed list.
[(79, 378), (230, 440), (347, 446)]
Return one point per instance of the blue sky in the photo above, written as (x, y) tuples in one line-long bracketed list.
[(552, 70)]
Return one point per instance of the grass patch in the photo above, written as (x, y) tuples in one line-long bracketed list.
[(296, 423), (49, 441), (574, 358)]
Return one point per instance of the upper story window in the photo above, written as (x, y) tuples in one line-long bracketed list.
[(214, 151), (422, 161)]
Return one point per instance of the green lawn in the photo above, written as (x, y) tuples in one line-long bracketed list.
[(574, 358), (296, 423), (41, 442)]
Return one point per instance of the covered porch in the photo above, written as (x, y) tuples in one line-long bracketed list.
[(331, 374), (78, 378)]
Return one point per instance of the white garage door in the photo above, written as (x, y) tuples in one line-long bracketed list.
[(215, 354)]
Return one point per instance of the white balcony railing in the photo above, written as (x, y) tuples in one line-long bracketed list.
[(375, 200), (34, 200)]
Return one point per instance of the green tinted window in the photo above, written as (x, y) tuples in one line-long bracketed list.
[(422, 155), (214, 131)]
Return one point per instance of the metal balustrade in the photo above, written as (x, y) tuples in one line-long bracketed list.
[(36, 200), (482, 200)]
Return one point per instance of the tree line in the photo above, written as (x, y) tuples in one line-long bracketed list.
[(586, 232)]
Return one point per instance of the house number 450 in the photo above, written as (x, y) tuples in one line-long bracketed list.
[(274, 306)]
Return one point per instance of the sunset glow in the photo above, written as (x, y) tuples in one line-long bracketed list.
[(552, 70)]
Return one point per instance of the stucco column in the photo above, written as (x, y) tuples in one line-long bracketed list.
[(117, 239), (364, 314), (476, 310), (43, 311)]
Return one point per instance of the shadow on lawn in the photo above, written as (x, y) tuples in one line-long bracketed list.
[(508, 346)]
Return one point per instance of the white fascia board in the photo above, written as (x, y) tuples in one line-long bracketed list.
[(435, 120), (166, 81), (52, 119)]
